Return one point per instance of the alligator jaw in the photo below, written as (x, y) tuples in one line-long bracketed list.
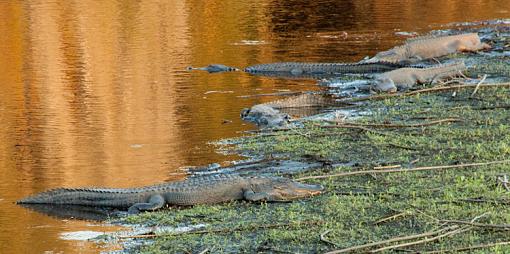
[(306, 190), (284, 189)]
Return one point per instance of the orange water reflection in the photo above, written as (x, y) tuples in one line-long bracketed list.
[(95, 92)]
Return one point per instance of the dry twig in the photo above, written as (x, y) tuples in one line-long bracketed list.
[(480, 246), (478, 85), (324, 239), (392, 217), (351, 127), (392, 125), (204, 251), (479, 200), (364, 172), (503, 180), (504, 227), (396, 239), (229, 230), (426, 240), (387, 167)]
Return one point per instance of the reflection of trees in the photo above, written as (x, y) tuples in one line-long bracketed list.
[(298, 16), (80, 84)]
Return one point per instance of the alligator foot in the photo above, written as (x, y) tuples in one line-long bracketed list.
[(155, 202)]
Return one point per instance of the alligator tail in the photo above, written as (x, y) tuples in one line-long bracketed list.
[(298, 68), (91, 197), (54, 196)]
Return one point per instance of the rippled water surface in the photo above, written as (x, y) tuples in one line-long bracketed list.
[(96, 92)]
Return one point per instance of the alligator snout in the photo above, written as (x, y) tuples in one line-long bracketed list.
[(213, 68)]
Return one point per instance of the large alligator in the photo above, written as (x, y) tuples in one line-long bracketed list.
[(427, 47), (207, 189), (307, 70), (405, 78)]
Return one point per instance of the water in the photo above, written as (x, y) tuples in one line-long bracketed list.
[(96, 92)]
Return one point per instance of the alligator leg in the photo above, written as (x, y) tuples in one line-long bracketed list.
[(155, 202)]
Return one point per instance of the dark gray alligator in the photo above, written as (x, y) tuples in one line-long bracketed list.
[(306, 70), (297, 68), (213, 68), (208, 189)]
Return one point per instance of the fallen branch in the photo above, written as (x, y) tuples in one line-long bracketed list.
[(490, 201), (228, 230), (364, 172), (480, 246), (390, 125), (324, 239), (351, 127), (392, 217), (426, 240), (396, 239), (478, 85), (387, 167), (427, 90), (504, 227), (401, 147)]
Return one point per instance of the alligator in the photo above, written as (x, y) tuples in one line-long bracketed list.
[(302, 100), (270, 114), (79, 212), (405, 78), (297, 68), (213, 68), (207, 189), (265, 116), (427, 47), (306, 70)]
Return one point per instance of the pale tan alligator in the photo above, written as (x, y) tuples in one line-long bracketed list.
[(302, 100), (405, 78), (427, 47)]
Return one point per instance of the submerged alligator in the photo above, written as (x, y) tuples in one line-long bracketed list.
[(269, 115), (209, 189), (427, 47), (213, 68), (265, 116), (314, 70), (405, 78)]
